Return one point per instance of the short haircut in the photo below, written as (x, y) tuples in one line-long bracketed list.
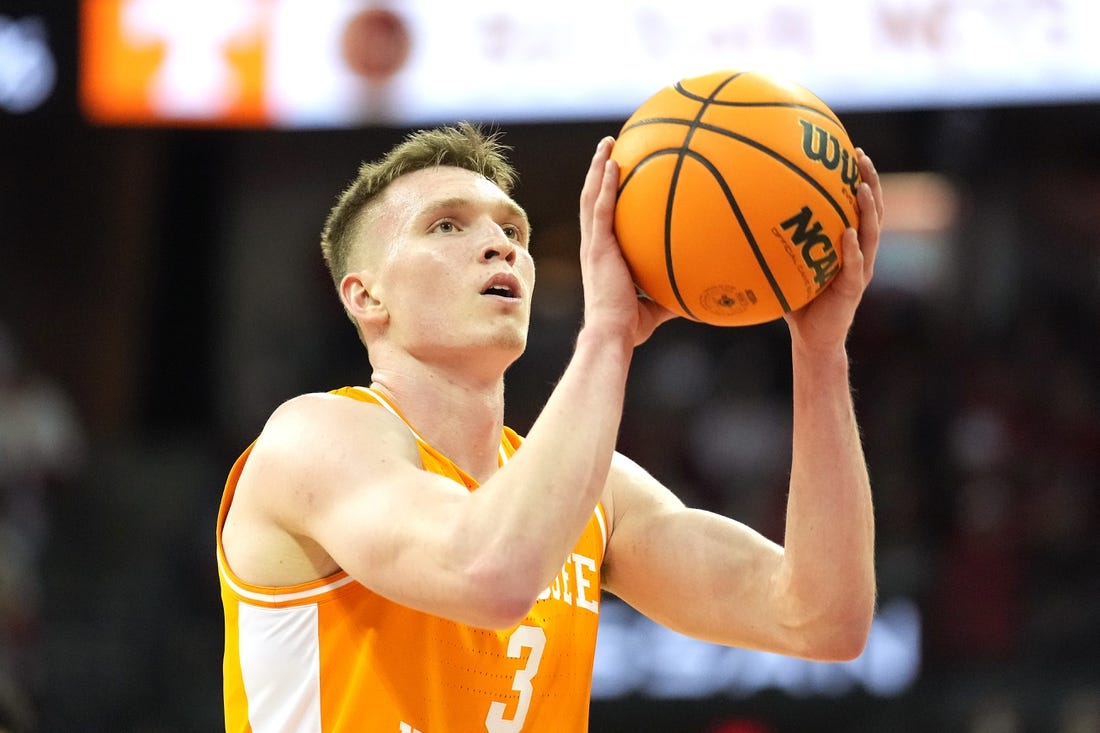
[(463, 145)]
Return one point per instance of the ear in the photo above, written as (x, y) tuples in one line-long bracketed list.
[(361, 305)]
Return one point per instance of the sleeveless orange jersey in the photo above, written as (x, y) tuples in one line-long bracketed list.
[(332, 656)]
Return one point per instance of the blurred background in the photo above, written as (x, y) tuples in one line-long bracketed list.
[(165, 168)]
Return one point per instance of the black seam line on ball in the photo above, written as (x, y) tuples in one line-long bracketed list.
[(685, 147)]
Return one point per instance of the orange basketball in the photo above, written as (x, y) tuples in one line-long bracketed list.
[(734, 191)]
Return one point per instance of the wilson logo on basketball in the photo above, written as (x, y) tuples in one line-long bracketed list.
[(816, 247), (825, 148)]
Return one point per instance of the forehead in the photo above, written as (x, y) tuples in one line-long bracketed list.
[(416, 192)]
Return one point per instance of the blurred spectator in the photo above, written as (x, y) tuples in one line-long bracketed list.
[(739, 725), (996, 713), (975, 614), (1079, 712), (41, 446)]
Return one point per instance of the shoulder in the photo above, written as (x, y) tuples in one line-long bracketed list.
[(318, 407), (314, 452), (321, 419), (627, 481), (318, 440), (633, 495)]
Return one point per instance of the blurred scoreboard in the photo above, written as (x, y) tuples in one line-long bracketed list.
[(337, 63)]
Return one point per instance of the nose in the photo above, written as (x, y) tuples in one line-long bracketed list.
[(501, 247)]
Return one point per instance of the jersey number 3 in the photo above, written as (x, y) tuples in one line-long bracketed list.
[(524, 637)]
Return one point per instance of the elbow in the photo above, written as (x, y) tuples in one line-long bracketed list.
[(840, 636), (498, 611), (829, 621), (499, 596), (842, 645)]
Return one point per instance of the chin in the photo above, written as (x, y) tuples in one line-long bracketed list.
[(499, 347), (512, 342), (515, 344)]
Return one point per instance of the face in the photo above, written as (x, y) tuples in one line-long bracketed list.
[(453, 272)]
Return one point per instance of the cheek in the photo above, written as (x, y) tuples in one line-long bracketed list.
[(422, 276), (527, 271)]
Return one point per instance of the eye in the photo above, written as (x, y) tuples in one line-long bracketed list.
[(516, 233), (446, 226)]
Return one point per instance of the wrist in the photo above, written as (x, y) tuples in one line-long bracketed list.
[(606, 341), (831, 361)]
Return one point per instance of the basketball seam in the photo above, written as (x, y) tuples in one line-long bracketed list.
[(829, 198), (764, 105), (761, 260), (746, 230), (827, 114), (685, 147), (685, 150)]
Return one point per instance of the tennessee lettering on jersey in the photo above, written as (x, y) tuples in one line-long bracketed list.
[(574, 584), (332, 656)]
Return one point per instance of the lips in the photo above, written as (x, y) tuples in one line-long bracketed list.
[(503, 285)]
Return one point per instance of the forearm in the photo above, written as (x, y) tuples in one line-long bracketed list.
[(829, 544), (582, 417), (544, 496)]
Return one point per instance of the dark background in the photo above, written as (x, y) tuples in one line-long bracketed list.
[(163, 291)]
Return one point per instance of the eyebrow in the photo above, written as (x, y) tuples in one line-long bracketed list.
[(459, 202)]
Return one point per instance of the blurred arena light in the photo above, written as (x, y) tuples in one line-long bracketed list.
[(637, 656), (28, 70), (333, 63), (919, 233)]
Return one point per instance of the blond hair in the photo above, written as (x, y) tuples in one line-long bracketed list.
[(463, 145)]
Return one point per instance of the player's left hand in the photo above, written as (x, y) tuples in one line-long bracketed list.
[(824, 322)]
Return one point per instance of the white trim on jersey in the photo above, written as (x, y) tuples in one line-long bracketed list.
[(389, 408), (279, 596), (603, 524), (280, 662)]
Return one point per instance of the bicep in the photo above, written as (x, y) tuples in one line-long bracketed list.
[(694, 571), (352, 483)]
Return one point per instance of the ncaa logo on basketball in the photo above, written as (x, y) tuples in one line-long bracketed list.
[(825, 148), (817, 249)]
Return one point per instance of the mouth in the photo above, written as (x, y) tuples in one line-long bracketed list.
[(503, 285)]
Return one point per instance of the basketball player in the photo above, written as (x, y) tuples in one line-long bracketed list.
[(394, 559)]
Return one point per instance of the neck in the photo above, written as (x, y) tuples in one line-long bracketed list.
[(458, 414)]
